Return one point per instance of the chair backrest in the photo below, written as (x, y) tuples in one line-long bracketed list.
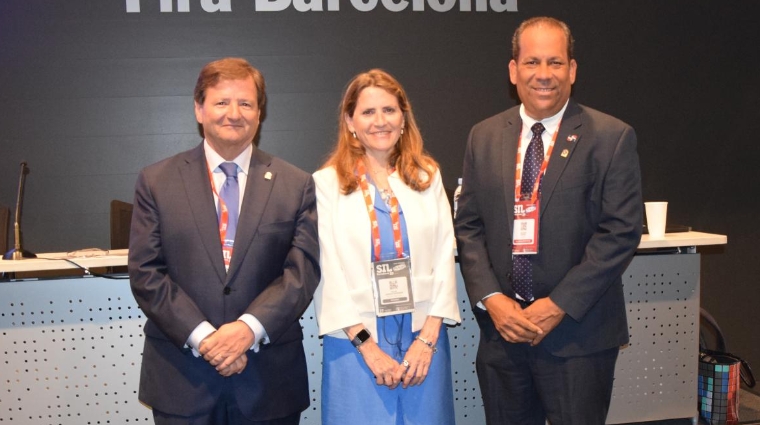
[(121, 219), (5, 215)]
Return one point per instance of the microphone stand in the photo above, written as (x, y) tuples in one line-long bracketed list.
[(18, 253)]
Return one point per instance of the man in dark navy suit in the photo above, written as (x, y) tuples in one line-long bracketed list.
[(549, 301), (223, 344)]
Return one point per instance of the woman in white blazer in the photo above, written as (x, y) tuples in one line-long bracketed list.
[(388, 282)]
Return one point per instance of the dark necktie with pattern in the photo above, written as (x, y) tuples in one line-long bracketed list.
[(522, 267)]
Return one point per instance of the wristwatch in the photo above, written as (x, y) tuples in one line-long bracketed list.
[(360, 338)]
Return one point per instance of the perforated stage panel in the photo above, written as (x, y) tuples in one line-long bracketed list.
[(71, 350), (656, 375), (71, 353)]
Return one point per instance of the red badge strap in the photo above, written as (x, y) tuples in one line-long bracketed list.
[(518, 169), (361, 176)]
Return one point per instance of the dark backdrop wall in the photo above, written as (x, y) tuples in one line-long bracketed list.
[(91, 94)]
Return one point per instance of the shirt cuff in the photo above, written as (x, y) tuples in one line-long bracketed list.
[(200, 333), (480, 303), (259, 333)]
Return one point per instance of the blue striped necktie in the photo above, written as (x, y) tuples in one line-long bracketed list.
[(230, 194)]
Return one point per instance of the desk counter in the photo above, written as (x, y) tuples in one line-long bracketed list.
[(72, 346)]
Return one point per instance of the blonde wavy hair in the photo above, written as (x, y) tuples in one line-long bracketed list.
[(415, 167)]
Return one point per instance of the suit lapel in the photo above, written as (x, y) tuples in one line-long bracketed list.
[(568, 138), (258, 187), (201, 199), (510, 135)]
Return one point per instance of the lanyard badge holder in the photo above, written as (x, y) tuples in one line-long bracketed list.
[(525, 233), (526, 211), (391, 279), (392, 283)]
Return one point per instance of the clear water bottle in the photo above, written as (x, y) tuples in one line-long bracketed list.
[(457, 192)]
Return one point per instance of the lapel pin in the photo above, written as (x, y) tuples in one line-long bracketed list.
[(564, 153), (572, 138), (268, 175)]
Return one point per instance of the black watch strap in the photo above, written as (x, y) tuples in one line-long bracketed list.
[(360, 338)]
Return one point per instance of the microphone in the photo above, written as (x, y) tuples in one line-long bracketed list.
[(18, 253)]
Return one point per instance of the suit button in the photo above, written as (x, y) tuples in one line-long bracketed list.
[(509, 276), (227, 290)]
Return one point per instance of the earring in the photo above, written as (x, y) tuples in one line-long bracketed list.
[(353, 133), (402, 131)]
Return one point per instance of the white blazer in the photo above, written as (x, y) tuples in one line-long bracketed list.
[(344, 296)]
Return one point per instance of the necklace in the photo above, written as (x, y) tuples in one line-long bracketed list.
[(386, 195)]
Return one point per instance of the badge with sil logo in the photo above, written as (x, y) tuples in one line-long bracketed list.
[(392, 284), (525, 228)]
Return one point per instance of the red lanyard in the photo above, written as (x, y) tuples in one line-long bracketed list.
[(224, 216), (361, 172), (518, 169)]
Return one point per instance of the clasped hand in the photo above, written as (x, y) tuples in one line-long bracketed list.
[(386, 370), (226, 348), (390, 373), (419, 356), (517, 325)]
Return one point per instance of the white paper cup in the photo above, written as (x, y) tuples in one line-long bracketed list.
[(657, 213)]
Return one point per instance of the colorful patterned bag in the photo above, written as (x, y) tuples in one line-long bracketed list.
[(720, 377)]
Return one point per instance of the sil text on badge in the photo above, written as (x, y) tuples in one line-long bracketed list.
[(525, 228)]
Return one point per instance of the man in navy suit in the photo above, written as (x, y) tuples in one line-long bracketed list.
[(223, 344), (552, 320)]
